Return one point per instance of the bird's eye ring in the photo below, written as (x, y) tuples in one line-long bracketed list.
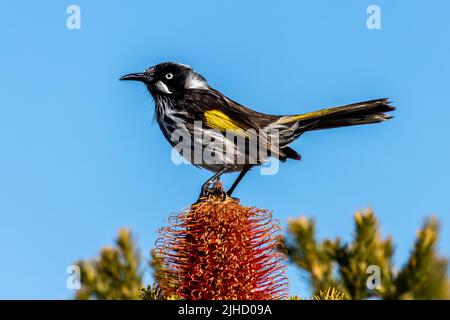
[(169, 76)]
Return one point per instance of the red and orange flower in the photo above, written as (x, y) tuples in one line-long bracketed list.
[(218, 249)]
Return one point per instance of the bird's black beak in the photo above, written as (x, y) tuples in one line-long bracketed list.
[(137, 77)]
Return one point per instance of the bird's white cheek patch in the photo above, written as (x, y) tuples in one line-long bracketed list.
[(162, 87)]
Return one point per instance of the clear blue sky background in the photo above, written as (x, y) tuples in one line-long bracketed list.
[(80, 157)]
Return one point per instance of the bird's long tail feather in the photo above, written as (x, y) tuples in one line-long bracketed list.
[(367, 112)]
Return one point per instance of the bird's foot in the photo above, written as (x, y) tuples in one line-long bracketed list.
[(215, 190)]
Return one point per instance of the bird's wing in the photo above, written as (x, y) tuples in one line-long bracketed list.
[(216, 111)]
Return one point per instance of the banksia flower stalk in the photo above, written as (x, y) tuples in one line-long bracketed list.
[(218, 249)]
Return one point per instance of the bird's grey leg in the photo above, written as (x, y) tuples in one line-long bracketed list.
[(238, 179), (206, 186)]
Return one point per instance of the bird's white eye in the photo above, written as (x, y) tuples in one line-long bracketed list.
[(169, 76)]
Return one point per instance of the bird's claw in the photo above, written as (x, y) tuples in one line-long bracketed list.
[(216, 190), (205, 192)]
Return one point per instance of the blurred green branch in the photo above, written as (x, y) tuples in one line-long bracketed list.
[(114, 274), (348, 267)]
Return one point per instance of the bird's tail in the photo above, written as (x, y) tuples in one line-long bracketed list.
[(367, 112)]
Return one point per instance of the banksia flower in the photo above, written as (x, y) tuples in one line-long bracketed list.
[(218, 249)]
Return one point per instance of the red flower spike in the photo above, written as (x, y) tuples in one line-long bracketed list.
[(221, 250)]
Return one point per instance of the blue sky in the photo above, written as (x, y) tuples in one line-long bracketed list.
[(80, 157)]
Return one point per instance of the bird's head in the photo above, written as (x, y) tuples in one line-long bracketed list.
[(169, 78)]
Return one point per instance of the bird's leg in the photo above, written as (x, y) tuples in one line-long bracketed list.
[(238, 179), (206, 190)]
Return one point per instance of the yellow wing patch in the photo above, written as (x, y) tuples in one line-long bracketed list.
[(306, 116), (216, 119)]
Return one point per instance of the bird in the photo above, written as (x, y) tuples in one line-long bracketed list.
[(191, 113)]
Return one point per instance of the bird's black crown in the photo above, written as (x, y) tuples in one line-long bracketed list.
[(169, 78)]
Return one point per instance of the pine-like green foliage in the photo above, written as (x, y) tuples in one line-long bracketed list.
[(345, 266), (424, 276), (114, 274), (330, 294), (151, 292), (154, 292)]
